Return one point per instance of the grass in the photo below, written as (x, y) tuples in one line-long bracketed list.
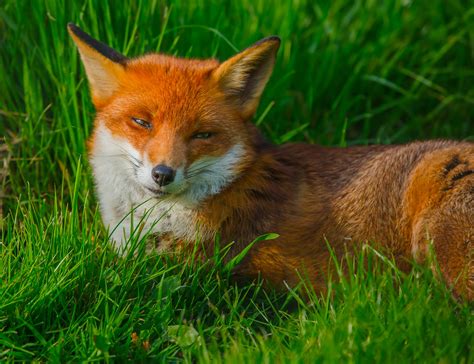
[(348, 72)]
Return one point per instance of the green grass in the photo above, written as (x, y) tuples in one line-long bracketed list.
[(348, 72)]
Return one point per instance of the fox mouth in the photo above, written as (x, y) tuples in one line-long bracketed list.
[(157, 192)]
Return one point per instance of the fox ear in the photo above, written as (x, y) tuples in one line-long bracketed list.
[(244, 76), (104, 66)]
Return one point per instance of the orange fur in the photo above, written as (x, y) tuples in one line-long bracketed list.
[(400, 196)]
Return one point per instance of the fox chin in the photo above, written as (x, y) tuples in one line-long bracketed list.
[(174, 152)]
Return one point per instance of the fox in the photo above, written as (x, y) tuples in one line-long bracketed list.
[(174, 148)]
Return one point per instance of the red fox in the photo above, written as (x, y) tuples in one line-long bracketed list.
[(173, 142)]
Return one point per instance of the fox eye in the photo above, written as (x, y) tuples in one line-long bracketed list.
[(143, 123), (203, 135)]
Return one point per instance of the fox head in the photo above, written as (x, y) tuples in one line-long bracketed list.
[(169, 126)]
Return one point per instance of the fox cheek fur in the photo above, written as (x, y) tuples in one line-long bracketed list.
[(173, 151)]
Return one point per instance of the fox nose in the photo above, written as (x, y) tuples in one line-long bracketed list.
[(163, 175)]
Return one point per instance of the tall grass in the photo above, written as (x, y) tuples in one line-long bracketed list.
[(348, 72)]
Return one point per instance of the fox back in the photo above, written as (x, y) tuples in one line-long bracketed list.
[(174, 152)]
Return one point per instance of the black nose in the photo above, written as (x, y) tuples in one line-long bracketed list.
[(163, 175)]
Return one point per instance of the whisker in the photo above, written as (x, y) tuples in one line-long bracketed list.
[(191, 170), (195, 171), (109, 156), (115, 156), (127, 153), (129, 158), (199, 172)]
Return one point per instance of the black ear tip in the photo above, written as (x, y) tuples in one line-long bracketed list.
[(78, 32), (72, 27), (271, 39), (100, 47), (274, 38)]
